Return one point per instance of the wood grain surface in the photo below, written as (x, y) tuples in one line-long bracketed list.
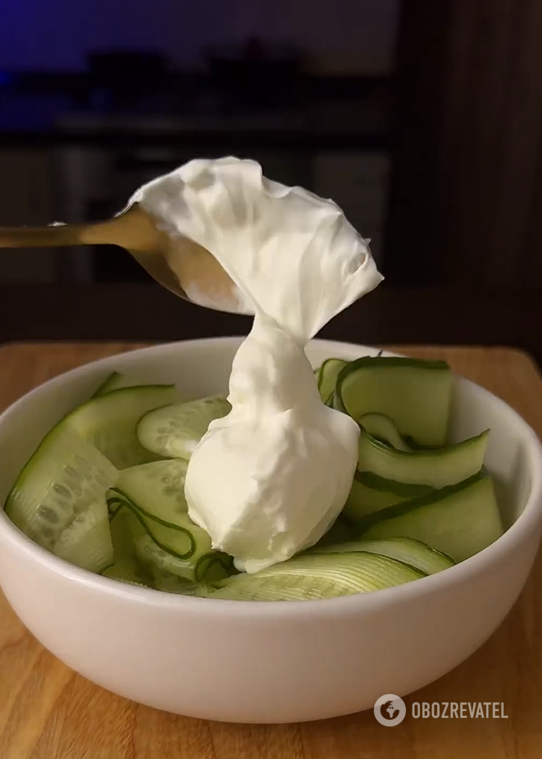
[(48, 712)]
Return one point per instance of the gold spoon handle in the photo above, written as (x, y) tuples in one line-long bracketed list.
[(176, 262), (39, 237), (132, 229)]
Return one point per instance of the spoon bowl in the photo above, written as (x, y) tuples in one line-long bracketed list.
[(177, 263)]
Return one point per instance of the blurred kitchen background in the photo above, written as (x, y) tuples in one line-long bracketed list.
[(423, 120)]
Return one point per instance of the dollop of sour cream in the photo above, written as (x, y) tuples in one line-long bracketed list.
[(270, 478)]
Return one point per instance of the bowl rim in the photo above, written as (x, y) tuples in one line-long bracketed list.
[(528, 521)]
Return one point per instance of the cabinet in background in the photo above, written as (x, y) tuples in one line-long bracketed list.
[(358, 183), (27, 196)]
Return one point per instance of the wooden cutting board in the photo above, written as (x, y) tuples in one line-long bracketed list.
[(48, 712)]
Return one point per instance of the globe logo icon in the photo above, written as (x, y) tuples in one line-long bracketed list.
[(389, 710)]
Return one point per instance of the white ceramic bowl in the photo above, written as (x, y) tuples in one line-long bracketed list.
[(265, 662)]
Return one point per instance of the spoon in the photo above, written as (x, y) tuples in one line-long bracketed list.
[(178, 263)]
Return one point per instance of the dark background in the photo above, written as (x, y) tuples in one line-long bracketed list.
[(423, 120)]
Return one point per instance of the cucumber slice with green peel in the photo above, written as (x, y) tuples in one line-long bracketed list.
[(143, 563), (174, 431), (363, 500), (414, 393), (121, 533), (327, 377), (157, 489), (134, 565), (116, 381), (209, 567), (402, 489), (460, 520), (436, 468), (311, 577), (87, 543), (213, 567), (109, 422), (275, 588), (64, 477), (177, 540), (382, 428), (413, 552), (341, 531), (183, 548), (129, 541), (169, 583), (126, 566), (155, 492), (128, 571), (360, 567)]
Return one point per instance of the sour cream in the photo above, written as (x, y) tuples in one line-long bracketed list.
[(269, 479)]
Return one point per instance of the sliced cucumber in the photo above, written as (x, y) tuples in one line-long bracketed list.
[(116, 381), (158, 490), (174, 431), (213, 567), (409, 551), (139, 561), (341, 531), (383, 428), (436, 468), (327, 377), (402, 489), (310, 577), (155, 492), (180, 546), (64, 477), (459, 520), (126, 566), (364, 499), (205, 568), (87, 541), (416, 394), (127, 571), (172, 584), (109, 422), (178, 541)]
